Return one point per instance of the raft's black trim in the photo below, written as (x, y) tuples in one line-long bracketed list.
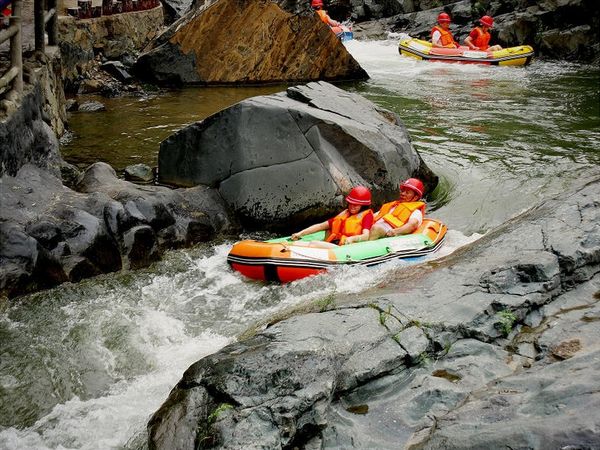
[(271, 273), (493, 62)]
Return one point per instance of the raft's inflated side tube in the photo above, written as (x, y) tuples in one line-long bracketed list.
[(280, 260)]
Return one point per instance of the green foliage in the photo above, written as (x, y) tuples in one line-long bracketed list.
[(447, 348), (384, 315), (506, 321), (206, 437), (326, 303), (212, 418), (423, 359)]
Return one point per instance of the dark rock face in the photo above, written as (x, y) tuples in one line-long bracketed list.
[(175, 9), (290, 156), (26, 138), (493, 347), (51, 234), (248, 41), (561, 30)]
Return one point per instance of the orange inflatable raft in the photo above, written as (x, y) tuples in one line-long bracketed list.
[(283, 261)]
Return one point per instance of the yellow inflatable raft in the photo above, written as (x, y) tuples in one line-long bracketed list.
[(512, 56)]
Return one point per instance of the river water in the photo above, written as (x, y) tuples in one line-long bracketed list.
[(84, 366)]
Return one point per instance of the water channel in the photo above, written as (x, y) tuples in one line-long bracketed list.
[(84, 366)]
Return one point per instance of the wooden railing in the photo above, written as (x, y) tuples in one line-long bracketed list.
[(45, 20), (13, 32)]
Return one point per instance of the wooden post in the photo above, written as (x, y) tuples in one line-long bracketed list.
[(85, 8), (107, 7), (38, 17), (53, 24), (16, 48)]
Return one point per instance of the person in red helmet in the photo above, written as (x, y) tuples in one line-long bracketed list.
[(317, 5), (441, 36), (479, 37), (402, 216), (351, 225)]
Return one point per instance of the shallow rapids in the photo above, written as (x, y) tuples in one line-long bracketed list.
[(84, 366)]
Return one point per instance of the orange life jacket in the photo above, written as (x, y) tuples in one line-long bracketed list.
[(400, 215), (345, 225), (323, 16), (446, 38), (482, 40)]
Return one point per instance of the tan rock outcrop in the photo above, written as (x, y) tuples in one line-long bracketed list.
[(114, 36), (247, 41)]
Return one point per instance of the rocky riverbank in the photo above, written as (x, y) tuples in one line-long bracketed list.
[(492, 347)]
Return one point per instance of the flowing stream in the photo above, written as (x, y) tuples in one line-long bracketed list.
[(84, 366)]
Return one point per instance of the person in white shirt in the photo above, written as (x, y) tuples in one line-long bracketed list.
[(402, 216)]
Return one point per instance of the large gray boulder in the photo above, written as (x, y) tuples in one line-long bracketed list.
[(493, 347), (291, 156)]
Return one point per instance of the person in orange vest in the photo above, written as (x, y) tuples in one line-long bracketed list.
[(441, 36), (351, 225), (402, 216), (317, 5), (479, 37)]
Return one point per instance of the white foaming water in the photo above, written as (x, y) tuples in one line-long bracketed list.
[(110, 421), (141, 335), (164, 329)]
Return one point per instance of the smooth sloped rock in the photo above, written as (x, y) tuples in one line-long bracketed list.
[(247, 41), (289, 157), (350, 376)]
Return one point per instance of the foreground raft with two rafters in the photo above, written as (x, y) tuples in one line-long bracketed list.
[(283, 261), (419, 49)]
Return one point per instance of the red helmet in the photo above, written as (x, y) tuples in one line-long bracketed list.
[(488, 21), (443, 17), (415, 184), (359, 195), (316, 3)]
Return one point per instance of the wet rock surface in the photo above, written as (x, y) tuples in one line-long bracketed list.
[(289, 157), (494, 346), (52, 234), (248, 41)]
